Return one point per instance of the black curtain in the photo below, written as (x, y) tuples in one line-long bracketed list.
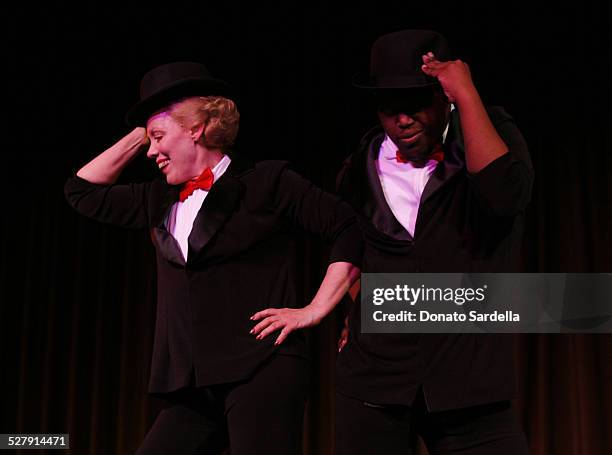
[(77, 299)]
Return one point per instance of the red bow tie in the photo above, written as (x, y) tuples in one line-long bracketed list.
[(204, 182), (437, 154)]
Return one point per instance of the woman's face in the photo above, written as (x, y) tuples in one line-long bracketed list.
[(173, 148)]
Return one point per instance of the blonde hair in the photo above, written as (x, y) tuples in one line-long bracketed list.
[(218, 115)]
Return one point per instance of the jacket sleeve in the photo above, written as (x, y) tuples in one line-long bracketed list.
[(119, 205), (504, 185), (320, 213)]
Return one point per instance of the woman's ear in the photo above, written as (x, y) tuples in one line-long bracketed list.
[(197, 132)]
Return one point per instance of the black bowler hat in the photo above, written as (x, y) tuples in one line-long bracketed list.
[(396, 59), (170, 82)]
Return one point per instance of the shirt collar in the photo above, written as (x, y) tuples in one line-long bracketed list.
[(221, 167)]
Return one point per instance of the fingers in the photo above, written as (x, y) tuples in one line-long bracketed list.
[(284, 333), (273, 319), (429, 71), (430, 60), (264, 314), (268, 317), (273, 327), (431, 63), (263, 325), (429, 57), (343, 336)]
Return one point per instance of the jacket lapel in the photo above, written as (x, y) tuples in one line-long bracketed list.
[(454, 159), (220, 203), (222, 200), (376, 207), (167, 245), (163, 240)]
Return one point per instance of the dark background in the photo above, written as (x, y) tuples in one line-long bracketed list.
[(77, 299)]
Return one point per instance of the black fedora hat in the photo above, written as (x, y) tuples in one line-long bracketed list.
[(396, 59), (170, 82)]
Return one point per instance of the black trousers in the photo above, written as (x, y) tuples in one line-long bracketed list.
[(263, 415), (367, 429)]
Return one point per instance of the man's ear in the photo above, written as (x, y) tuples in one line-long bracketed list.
[(197, 132)]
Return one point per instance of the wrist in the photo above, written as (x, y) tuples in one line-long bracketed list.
[(140, 134), (466, 97), (316, 312), (134, 140)]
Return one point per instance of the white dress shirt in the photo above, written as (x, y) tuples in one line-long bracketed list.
[(403, 183), (182, 214)]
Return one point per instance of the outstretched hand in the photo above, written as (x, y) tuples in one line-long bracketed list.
[(337, 281), (284, 319), (454, 76)]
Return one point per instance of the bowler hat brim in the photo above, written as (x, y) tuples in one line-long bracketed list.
[(365, 81)]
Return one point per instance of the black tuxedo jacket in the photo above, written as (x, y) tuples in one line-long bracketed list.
[(465, 223), (239, 262)]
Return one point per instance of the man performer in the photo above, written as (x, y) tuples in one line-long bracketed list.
[(440, 185)]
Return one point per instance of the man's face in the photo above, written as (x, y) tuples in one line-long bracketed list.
[(173, 149), (414, 119)]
